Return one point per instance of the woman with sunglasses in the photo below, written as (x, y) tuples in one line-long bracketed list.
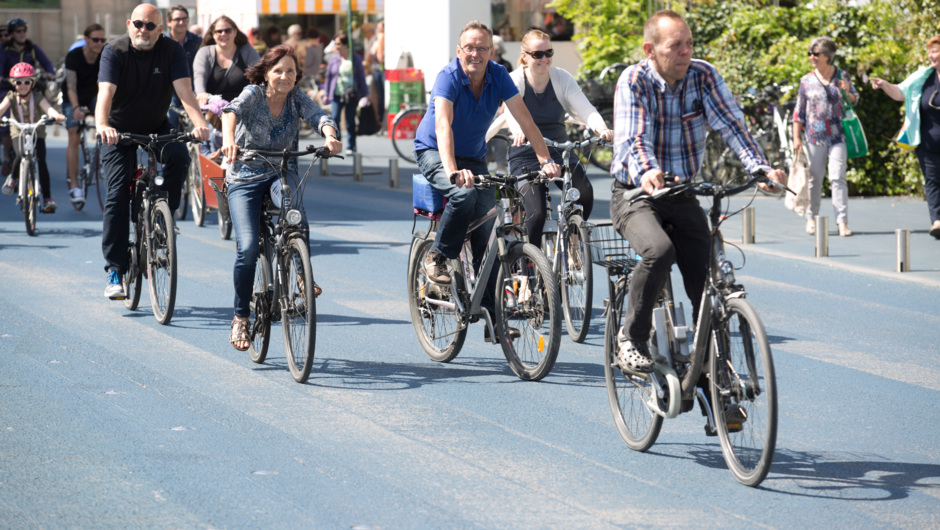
[(550, 94), (220, 65), (28, 106), (920, 93), (818, 117)]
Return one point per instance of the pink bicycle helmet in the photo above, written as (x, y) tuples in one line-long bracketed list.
[(22, 70)]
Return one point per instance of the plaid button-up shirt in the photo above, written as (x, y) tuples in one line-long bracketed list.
[(658, 126)]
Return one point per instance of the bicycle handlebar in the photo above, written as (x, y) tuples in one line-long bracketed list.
[(567, 146), (707, 188), (146, 140), (319, 152), (44, 120), (509, 180)]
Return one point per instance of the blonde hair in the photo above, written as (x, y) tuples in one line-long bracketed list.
[(531, 35)]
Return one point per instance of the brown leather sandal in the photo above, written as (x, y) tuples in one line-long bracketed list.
[(240, 334)]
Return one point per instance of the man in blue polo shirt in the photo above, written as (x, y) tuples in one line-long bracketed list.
[(451, 141)]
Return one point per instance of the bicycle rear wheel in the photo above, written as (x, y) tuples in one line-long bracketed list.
[(528, 312), (403, 132), (743, 386), (577, 287), (433, 314), (96, 178), (132, 277), (161, 261), (628, 393), (299, 315), (30, 203), (262, 301)]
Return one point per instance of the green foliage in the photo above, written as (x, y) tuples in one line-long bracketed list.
[(754, 44)]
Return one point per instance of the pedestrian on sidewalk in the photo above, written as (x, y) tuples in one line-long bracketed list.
[(920, 93), (818, 117)]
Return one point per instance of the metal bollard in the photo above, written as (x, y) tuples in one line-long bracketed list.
[(324, 167), (357, 167), (903, 250), (747, 230), (822, 236), (393, 172)]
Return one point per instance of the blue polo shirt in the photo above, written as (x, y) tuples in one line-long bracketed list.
[(472, 117)]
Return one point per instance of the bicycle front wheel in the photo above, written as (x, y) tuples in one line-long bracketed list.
[(132, 278), (432, 308), (528, 312), (197, 195), (262, 301), (97, 178), (403, 132), (628, 393), (298, 310), (30, 202), (577, 286), (744, 393), (161, 262)]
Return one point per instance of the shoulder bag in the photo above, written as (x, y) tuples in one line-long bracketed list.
[(855, 139)]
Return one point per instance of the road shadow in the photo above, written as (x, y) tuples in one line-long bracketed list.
[(358, 320), (17, 245), (83, 233), (320, 247)]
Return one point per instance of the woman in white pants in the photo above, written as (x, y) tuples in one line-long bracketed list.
[(818, 118)]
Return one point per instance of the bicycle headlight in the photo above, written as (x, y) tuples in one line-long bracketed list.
[(727, 272), (158, 180), (573, 195), (294, 217)]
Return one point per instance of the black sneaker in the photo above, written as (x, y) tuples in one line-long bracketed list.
[(513, 334), (435, 267), (633, 356)]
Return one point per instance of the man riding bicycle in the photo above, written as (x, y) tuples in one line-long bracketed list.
[(81, 89), (662, 106), (451, 141), (138, 75)]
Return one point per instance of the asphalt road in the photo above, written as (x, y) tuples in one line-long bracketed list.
[(108, 419)]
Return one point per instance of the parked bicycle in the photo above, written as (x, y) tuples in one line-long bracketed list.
[(152, 247), (284, 284), (89, 162), (404, 125), (729, 344), (570, 253), (29, 190), (600, 92), (527, 310)]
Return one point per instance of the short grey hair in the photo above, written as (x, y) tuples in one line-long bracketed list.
[(825, 46)]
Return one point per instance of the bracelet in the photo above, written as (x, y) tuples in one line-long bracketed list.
[(333, 136)]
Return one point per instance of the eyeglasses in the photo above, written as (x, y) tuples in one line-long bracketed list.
[(179, 19), (23, 82), (930, 102), (477, 49), (19, 30), (541, 54), (140, 24), (813, 54), (223, 31), (99, 41)]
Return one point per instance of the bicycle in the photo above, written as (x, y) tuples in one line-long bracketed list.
[(404, 125), (570, 254), (152, 247), (88, 166), (729, 337), (29, 191), (600, 92), (286, 293), (193, 194), (527, 310)]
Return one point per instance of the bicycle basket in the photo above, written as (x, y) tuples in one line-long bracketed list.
[(609, 249)]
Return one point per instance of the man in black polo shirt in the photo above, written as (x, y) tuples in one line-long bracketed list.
[(138, 75)]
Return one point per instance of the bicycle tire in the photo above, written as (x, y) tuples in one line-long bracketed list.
[(82, 184), (577, 288), (183, 207), (132, 279), (404, 127), (627, 394), (261, 304), (197, 194), (96, 177), (299, 313), (224, 219), (161, 261), (438, 328), (742, 375), (603, 156), (30, 203), (527, 301)]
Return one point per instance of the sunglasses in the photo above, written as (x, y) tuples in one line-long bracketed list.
[(19, 30), (23, 82), (540, 54), (932, 96), (813, 54), (99, 41), (141, 24), (223, 31)]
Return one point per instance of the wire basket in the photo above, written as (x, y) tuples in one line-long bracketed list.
[(609, 249)]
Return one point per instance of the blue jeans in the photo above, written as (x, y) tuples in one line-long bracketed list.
[(930, 165), (464, 205), (245, 200), (118, 164), (350, 108)]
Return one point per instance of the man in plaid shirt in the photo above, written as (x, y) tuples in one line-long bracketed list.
[(661, 109)]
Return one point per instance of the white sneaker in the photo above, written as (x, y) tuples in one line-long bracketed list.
[(77, 196)]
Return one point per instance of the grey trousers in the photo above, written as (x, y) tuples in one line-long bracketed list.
[(835, 158)]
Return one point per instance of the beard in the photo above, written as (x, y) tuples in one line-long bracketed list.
[(143, 43)]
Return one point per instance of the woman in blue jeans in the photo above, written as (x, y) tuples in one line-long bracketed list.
[(345, 82), (266, 115)]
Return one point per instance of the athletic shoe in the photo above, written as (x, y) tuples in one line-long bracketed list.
[(9, 185), (114, 289), (49, 206), (77, 196), (435, 267)]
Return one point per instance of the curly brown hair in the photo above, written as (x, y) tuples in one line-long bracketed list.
[(256, 72)]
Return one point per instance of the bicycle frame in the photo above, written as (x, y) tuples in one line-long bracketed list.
[(29, 132)]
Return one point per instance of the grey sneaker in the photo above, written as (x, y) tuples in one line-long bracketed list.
[(633, 356), (435, 267), (114, 289)]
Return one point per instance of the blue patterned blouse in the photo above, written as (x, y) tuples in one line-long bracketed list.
[(257, 128), (819, 108)]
